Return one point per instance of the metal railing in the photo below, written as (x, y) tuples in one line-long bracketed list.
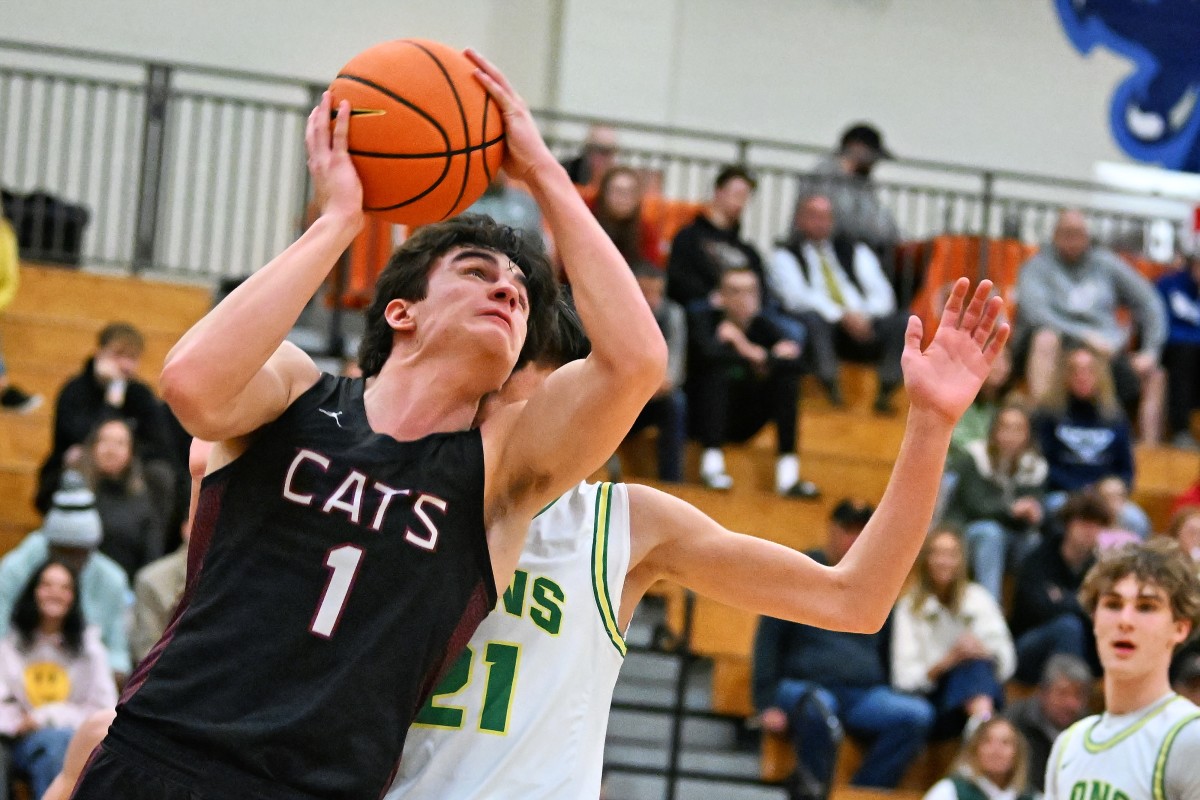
[(199, 172)]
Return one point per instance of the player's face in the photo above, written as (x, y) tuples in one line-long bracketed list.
[(1136, 631), (997, 754), (54, 594), (478, 296)]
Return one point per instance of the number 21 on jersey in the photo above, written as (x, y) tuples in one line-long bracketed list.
[(500, 659)]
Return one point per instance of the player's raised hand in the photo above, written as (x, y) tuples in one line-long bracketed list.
[(945, 378), (525, 150), (336, 187)]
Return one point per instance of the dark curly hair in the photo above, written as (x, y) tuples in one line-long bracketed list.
[(26, 617), (406, 277)]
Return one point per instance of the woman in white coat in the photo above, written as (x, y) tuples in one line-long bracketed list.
[(950, 642)]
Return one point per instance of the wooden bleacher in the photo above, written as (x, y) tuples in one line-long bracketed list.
[(47, 333)]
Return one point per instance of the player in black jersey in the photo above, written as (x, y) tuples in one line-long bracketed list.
[(351, 533)]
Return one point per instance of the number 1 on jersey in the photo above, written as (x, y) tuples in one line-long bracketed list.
[(342, 563)]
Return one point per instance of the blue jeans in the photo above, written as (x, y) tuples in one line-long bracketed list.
[(963, 682), (1065, 633), (895, 724), (669, 414), (40, 756), (993, 547)]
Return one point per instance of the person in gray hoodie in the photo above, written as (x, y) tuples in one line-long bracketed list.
[(1069, 293)]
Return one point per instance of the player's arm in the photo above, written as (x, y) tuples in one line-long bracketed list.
[(674, 540), (83, 742), (581, 413), (232, 371)]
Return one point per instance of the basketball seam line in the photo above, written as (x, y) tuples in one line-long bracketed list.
[(437, 154), (437, 125), (462, 114)]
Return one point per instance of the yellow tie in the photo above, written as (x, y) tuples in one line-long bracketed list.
[(831, 284)]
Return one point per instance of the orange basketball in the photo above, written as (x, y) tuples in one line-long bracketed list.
[(425, 135)]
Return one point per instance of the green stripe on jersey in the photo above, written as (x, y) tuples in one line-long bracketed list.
[(1160, 763), (600, 532)]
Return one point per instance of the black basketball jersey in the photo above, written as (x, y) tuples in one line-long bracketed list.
[(333, 573)]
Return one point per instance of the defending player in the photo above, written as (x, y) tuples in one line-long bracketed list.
[(1145, 602), (523, 714), (352, 533)]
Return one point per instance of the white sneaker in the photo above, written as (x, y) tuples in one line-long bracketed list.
[(712, 470)]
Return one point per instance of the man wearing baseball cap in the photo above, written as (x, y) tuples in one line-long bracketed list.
[(845, 178), (71, 531)]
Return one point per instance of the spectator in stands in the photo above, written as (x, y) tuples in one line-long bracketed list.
[(1069, 294), (950, 642), (997, 500), (618, 209), (667, 410), (133, 532), (1185, 529), (1180, 293), (513, 207), (811, 682), (599, 155), (1046, 616), (742, 373), (1188, 497), (108, 386), (53, 673), (1130, 521), (838, 290), (977, 421), (712, 244), (1080, 427), (993, 765), (70, 533), (12, 398), (156, 590), (845, 178), (1061, 701), (158, 586), (1187, 678)]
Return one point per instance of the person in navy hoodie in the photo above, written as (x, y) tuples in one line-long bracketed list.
[(1181, 356), (1081, 430)]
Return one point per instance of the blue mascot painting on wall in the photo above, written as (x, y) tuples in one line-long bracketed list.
[(1155, 112)]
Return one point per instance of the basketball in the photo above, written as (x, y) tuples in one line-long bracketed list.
[(425, 136)]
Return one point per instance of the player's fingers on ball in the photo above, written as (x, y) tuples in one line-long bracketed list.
[(491, 69), (341, 127)]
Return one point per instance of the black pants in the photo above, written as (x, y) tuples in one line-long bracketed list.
[(1182, 362), (827, 342), (732, 405), (111, 774)]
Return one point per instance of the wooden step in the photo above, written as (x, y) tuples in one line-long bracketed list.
[(149, 304), (66, 342), (18, 482), (25, 437)]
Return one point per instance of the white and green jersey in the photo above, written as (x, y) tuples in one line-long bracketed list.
[(523, 713), (1150, 754)]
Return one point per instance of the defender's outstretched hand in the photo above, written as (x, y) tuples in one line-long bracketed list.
[(336, 187), (526, 151), (945, 378)]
